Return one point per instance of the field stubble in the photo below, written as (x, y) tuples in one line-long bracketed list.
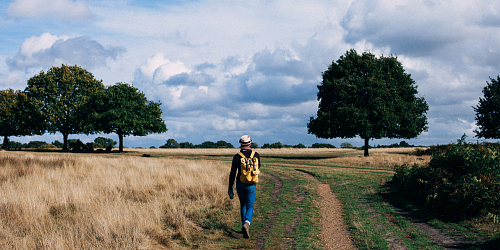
[(68, 201)]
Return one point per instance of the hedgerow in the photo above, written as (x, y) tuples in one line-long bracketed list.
[(461, 181)]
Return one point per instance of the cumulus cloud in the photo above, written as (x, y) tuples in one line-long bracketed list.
[(57, 9), (48, 50), (158, 69)]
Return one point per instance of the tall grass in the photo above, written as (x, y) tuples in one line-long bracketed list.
[(67, 201)]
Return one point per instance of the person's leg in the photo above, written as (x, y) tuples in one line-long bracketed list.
[(242, 195), (251, 192)]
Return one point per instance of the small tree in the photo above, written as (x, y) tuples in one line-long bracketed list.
[(124, 110), (171, 143), (488, 111), (369, 97), (105, 142), (346, 145)]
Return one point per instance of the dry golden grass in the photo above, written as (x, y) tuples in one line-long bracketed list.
[(380, 158), (69, 201)]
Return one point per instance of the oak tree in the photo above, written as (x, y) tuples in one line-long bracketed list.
[(369, 97), (19, 116), (63, 93), (124, 110), (488, 111)]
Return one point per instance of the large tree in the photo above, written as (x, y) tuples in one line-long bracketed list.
[(488, 111), (63, 92), (124, 110), (369, 97), (18, 115)]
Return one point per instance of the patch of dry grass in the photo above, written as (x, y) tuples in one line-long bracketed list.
[(68, 201), (379, 158)]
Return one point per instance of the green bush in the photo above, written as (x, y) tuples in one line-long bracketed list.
[(47, 146), (460, 181)]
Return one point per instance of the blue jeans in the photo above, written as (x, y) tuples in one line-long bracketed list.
[(246, 194)]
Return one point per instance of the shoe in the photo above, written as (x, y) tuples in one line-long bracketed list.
[(245, 229)]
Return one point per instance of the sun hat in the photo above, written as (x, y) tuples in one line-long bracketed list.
[(245, 140)]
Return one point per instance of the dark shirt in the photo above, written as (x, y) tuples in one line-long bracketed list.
[(235, 166)]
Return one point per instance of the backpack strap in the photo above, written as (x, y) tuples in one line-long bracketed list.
[(252, 154), (242, 155)]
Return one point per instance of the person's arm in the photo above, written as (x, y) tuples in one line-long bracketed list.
[(232, 174)]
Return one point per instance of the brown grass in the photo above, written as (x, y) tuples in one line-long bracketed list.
[(68, 201), (380, 158)]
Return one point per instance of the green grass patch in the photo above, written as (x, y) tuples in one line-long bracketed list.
[(372, 221)]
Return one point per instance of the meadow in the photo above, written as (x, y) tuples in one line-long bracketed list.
[(177, 199)]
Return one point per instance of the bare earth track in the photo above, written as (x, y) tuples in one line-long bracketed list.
[(334, 232)]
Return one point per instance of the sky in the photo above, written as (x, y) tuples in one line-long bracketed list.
[(223, 69)]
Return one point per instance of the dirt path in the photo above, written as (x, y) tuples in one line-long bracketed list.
[(334, 232)]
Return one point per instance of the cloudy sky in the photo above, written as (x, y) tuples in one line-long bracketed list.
[(222, 69)]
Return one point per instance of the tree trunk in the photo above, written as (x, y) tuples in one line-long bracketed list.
[(5, 142), (366, 146), (120, 136), (65, 141)]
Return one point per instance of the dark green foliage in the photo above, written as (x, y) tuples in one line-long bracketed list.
[(322, 145), (488, 111), (57, 144), (300, 145), (104, 142), (274, 145), (346, 145), (19, 116), (369, 97), (254, 145), (124, 110), (462, 181), (401, 144), (219, 144), (186, 145), (35, 144), (63, 93), (171, 143)]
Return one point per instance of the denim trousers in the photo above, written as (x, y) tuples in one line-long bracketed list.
[(246, 194)]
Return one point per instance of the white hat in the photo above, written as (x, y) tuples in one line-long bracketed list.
[(245, 140)]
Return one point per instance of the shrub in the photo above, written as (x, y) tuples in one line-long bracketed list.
[(35, 144), (322, 145), (47, 146), (345, 145), (461, 181)]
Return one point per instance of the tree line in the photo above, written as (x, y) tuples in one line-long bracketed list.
[(69, 100)]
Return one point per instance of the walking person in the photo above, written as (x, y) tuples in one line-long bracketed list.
[(245, 170)]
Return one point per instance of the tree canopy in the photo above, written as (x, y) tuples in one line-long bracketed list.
[(62, 93), (369, 97), (18, 115), (488, 111), (124, 110)]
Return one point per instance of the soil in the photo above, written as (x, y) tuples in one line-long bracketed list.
[(334, 231)]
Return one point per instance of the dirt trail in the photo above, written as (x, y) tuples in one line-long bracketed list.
[(334, 232)]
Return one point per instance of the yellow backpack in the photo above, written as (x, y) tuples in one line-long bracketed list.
[(249, 172)]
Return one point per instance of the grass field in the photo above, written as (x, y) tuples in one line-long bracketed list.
[(177, 199)]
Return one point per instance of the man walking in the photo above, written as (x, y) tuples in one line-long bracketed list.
[(245, 169)]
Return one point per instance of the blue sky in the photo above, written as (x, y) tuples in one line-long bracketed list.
[(222, 69)]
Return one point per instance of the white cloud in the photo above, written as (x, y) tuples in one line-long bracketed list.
[(159, 69), (49, 50), (57, 9)]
